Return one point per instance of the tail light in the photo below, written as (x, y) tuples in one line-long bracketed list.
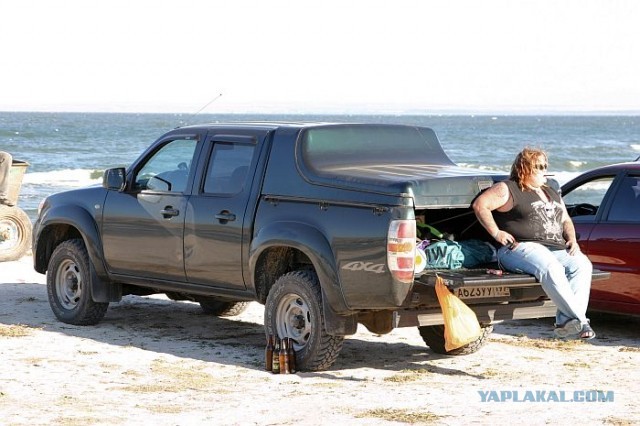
[(401, 249)]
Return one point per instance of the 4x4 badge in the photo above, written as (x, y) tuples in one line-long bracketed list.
[(378, 268)]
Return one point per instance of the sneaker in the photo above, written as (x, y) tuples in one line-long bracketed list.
[(569, 328)]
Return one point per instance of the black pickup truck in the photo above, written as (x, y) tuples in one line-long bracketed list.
[(316, 221)]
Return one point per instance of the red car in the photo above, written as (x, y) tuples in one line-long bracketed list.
[(604, 204)]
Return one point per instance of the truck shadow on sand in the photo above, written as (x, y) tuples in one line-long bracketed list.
[(182, 330)]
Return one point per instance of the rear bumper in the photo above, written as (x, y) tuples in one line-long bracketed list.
[(486, 314), (527, 298), (480, 277)]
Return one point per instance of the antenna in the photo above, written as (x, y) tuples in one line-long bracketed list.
[(206, 105), (209, 103)]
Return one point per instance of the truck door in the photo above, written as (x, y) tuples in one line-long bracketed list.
[(216, 214), (143, 226)]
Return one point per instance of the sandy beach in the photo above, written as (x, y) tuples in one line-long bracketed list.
[(161, 362)]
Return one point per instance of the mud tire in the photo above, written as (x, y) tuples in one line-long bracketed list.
[(69, 285), (221, 308), (294, 309), (433, 336)]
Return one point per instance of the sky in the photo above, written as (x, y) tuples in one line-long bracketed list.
[(345, 56)]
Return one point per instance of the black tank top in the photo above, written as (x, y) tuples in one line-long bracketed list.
[(533, 219)]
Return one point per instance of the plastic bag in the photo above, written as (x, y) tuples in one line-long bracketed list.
[(461, 325)]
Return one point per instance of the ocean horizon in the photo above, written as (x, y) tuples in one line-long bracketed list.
[(67, 150)]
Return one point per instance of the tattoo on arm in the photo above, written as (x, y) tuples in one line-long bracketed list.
[(502, 191)]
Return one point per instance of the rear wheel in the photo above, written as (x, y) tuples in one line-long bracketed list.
[(69, 285), (294, 309), (433, 336), (221, 308), (15, 233)]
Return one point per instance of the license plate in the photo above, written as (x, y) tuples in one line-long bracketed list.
[(481, 292)]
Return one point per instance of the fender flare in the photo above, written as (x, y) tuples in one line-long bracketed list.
[(310, 241), (81, 220)]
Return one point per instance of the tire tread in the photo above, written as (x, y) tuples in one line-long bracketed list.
[(328, 347), (433, 336), (221, 308), (90, 313)]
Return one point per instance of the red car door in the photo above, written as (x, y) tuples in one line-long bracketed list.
[(614, 246)]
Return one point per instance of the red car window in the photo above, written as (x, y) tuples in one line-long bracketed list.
[(626, 204)]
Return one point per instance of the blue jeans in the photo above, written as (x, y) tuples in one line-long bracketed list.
[(565, 278)]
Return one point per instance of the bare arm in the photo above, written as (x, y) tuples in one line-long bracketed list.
[(569, 232), (492, 199)]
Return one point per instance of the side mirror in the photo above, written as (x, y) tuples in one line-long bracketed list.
[(114, 179)]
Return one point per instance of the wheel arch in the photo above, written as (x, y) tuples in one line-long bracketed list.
[(282, 247), (72, 222), (61, 224), (285, 246)]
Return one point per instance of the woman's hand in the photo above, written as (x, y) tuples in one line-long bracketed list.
[(505, 238), (573, 247)]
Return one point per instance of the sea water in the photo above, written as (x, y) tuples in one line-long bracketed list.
[(70, 150)]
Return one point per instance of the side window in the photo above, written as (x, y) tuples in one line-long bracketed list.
[(168, 169), (626, 203), (228, 168), (585, 199)]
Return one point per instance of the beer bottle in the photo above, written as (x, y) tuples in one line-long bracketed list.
[(268, 354), (291, 354), (282, 357), (275, 360)]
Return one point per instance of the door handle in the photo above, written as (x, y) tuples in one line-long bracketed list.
[(169, 212), (225, 216)]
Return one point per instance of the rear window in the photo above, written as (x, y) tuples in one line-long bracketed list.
[(332, 148)]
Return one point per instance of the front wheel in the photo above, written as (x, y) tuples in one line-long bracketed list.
[(294, 309), (69, 285), (433, 336)]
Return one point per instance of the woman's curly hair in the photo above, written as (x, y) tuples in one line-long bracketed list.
[(524, 164)]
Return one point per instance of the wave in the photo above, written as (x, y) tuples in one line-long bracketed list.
[(70, 178), (597, 186), (77, 178), (635, 146), (562, 177), (487, 168)]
